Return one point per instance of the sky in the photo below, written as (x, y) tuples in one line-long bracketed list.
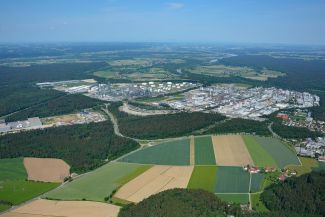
[(238, 21)]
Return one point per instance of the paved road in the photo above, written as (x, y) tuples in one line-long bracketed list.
[(273, 133)]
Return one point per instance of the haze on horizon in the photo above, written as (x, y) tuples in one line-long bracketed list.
[(240, 21)]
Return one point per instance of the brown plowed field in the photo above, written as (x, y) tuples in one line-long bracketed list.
[(50, 208), (46, 169), (230, 150), (154, 180)]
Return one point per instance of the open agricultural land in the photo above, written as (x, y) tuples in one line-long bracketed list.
[(155, 180), (46, 169), (221, 150), (140, 69), (203, 152), (50, 208), (176, 152), (231, 151), (228, 71), (14, 186), (99, 184)]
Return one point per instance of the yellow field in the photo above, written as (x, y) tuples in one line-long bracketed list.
[(51, 208), (230, 150), (154, 180)]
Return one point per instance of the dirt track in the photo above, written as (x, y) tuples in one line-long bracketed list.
[(46, 169), (51, 208), (192, 151), (230, 150), (154, 180)]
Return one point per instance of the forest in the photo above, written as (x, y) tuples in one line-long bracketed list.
[(83, 147), (238, 125), (290, 132), (17, 97), (63, 105), (193, 203), (47, 72), (18, 90), (162, 126), (303, 194), (180, 203)]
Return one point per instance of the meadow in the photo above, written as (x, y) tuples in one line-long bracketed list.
[(259, 155), (280, 152), (98, 184), (14, 188), (204, 154), (203, 177), (176, 152), (232, 180)]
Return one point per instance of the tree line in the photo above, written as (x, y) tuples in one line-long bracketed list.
[(83, 147)]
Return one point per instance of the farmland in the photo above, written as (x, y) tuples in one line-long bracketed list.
[(46, 169), (232, 180), (308, 164), (204, 154), (257, 181), (18, 191), (176, 152), (259, 155), (98, 184), (282, 155), (221, 150), (154, 180), (231, 151), (203, 177), (14, 189), (12, 169), (50, 208), (228, 71)]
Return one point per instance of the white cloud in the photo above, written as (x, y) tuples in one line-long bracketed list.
[(175, 6)]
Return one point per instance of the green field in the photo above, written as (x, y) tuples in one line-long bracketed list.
[(204, 154), (232, 180), (175, 152), (4, 207), (18, 191), (321, 166), (257, 182), (257, 203), (14, 189), (98, 184), (308, 165), (12, 169), (259, 155), (234, 198), (203, 177), (282, 154)]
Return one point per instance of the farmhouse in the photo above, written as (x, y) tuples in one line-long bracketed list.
[(252, 169)]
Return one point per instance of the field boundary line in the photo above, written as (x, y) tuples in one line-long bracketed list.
[(192, 150), (229, 193)]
